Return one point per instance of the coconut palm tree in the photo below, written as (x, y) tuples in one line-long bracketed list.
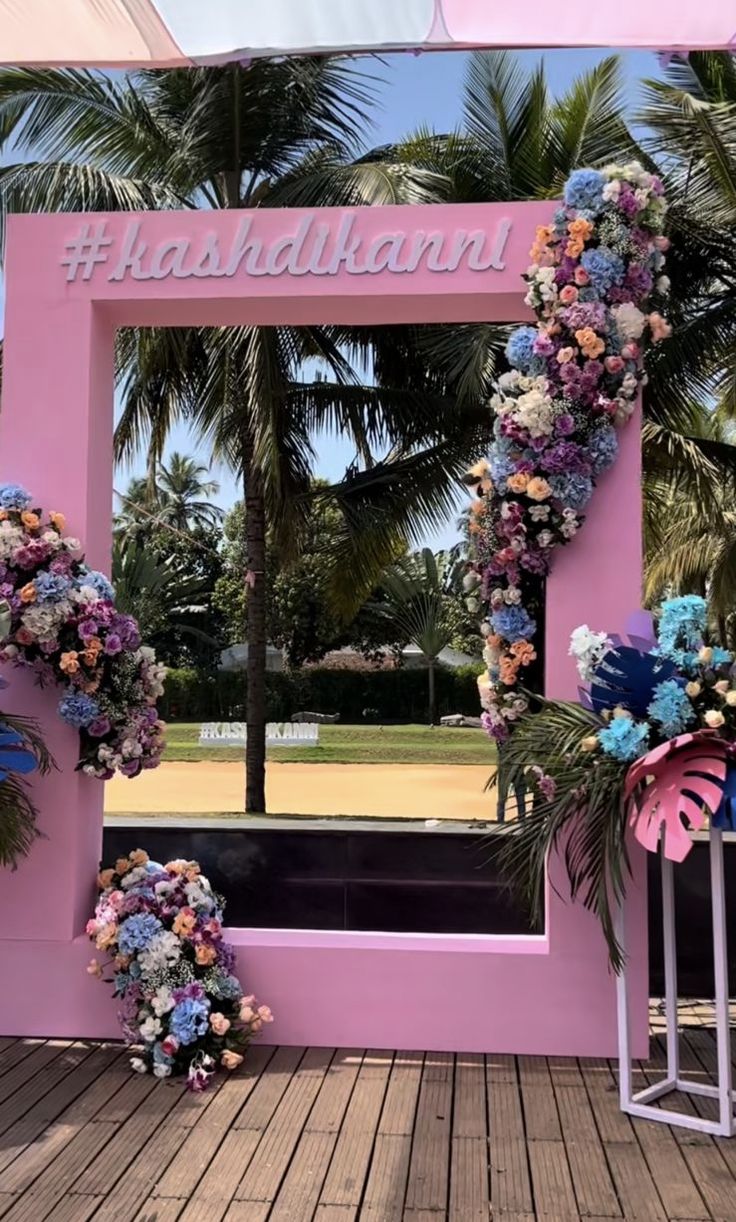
[(183, 493), (275, 134)]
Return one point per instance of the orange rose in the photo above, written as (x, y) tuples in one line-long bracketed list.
[(106, 936), (184, 923), (518, 482), (122, 865), (574, 248), (30, 520), (69, 663), (28, 593), (538, 489), (478, 507), (58, 520), (580, 229), (104, 878), (139, 857), (523, 652), (591, 344)]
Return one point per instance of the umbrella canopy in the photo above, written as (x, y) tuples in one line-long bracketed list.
[(168, 33)]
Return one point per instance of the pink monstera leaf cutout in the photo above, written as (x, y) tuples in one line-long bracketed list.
[(674, 783)]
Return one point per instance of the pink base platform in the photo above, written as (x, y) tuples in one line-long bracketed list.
[(547, 995)]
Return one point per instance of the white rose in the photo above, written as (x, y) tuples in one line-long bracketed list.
[(714, 719), (138, 1065)]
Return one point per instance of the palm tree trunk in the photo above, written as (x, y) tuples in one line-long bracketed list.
[(255, 712), (432, 694)]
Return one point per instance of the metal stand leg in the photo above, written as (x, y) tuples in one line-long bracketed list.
[(640, 1104)]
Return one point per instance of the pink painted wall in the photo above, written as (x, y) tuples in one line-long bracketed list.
[(552, 994)]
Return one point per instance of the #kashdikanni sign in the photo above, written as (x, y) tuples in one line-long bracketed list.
[(316, 247)]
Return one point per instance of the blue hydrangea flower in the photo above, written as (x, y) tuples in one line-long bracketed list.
[(226, 987), (721, 657), (604, 267), (78, 710), (670, 708), (189, 1020), (500, 462), (603, 448), (681, 627), (122, 980), (137, 931), (584, 189), (51, 588), (14, 496), (514, 623), (520, 348), (573, 491), (624, 738), (98, 582)]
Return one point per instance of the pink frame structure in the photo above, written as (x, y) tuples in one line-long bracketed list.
[(71, 280)]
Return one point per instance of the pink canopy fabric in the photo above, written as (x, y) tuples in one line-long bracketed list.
[(168, 33)]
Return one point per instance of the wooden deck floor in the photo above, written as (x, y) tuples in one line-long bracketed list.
[(333, 1136)]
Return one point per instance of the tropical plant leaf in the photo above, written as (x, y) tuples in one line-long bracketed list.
[(675, 782)]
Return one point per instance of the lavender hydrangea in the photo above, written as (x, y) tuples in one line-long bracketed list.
[(572, 490), (14, 496), (604, 267), (78, 709), (514, 623), (603, 448)]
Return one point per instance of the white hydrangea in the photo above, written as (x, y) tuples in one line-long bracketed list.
[(629, 321), (536, 412), (162, 1001), (162, 951), (150, 1028), (588, 648)]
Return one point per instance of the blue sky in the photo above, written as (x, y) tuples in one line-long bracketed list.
[(427, 90)]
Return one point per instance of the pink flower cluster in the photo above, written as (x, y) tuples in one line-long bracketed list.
[(574, 378), (58, 618), (180, 1002)]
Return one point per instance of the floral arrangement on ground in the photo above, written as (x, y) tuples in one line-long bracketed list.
[(173, 970), (63, 625), (652, 744), (595, 279)]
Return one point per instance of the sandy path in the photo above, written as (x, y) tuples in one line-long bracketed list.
[(417, 791)]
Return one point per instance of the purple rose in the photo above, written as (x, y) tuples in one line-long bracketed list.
[(564, 425), (99, 727), (113, 644), (87, 628)]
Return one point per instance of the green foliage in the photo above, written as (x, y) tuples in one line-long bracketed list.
[(585, 819), (17, 813), (390, 695)]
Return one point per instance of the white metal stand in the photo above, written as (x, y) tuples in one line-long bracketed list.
[(640, 1104)]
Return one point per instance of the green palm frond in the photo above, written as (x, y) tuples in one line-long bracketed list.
[(585, 820)]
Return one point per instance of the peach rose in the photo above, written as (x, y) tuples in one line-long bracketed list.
[(184, 923), (94, 968), (590, 343), (523, 652), (659, 327), (30, 520), (714, 719), (205, 955), (122, 865), (518, 482), (106, 936), (507, 669), (104, 879), (69, 662), (139, 857), (230, 1059), (580, 276), (574, 247), (564, 355), (247, 1013), (219, 1024), (538, 489), (28, 593), (580, 228), (568, 294), (265, 1015), (58, 520)]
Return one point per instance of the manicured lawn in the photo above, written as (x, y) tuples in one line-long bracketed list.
[(351, 745)]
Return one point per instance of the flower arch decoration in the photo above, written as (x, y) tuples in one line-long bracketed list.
[(63, 625), (595, 284)]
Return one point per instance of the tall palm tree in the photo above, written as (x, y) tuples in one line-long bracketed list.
[(418, 590), (183, 493), (271, 135)]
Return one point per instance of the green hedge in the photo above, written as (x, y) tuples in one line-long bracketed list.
[(395, 695)]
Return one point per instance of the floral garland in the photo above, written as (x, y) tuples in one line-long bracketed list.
[(64, 627), (652, 744), (173, 970), (574, 380)]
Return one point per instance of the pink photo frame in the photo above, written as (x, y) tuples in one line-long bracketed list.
[(71, 280)]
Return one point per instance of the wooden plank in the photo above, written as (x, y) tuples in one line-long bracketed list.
[(634, 1184), (714, 1180), (385, 1189), (217, 1187), (198, 1152), (402, 1092), (429, 1168), (34, 1141), (672, 1176), (511, 1189), (248, 1211), (130, 1139), (469, 1180), (564, 1071), (16, 1052), (470, 1108), (612, 1124), (34, 1076), (346, 1213), (591, 1179), (74, 1209), (264, 1174), (57, 1179), (159, 1209), (352, 1155), (262, 1102), (551, 1180), (540, 1109)]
